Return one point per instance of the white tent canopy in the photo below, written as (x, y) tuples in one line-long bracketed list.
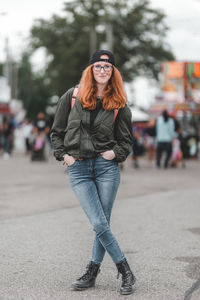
[(139, 115)]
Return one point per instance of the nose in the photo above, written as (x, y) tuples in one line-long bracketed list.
[(102, 69)]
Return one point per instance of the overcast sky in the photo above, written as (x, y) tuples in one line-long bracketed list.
[(16, 19)]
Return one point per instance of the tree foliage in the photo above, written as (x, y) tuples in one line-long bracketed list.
[(1, 69), (32, 89), (138, 39)]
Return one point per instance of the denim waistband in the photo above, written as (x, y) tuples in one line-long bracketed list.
[(86, 158)]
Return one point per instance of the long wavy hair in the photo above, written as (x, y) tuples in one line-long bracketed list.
[(114, 96)]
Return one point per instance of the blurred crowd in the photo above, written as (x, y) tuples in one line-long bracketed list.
[(162, 140), (29, 137)]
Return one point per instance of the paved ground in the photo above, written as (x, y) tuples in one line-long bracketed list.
[(46, 239)]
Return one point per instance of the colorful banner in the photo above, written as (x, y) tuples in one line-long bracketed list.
[(173, 69), (174, 107), (180, 81)]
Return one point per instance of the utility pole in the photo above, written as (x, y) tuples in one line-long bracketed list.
[(14, 88), (10, 71), (7, 69)]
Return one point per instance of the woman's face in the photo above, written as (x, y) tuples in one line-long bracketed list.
[(102, 71)]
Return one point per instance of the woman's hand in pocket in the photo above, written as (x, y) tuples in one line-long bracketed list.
[(109, 155), (69, 160)]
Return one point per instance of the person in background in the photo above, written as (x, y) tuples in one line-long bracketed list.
[(40, 124), (7, 136), (165, 132), (135, 147), (49, 125), (39, 137), (92, 137), (178, 146), (150, 141), (177, 155), (27, 128)]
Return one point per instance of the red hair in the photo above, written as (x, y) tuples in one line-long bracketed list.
[(114, 96)]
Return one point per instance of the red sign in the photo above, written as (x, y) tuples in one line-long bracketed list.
[(4, 108)]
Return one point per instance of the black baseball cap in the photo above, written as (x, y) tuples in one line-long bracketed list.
[(96, 57)]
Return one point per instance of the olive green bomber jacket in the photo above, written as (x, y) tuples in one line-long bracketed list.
[(71, 134)]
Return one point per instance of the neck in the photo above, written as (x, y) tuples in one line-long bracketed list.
[(100, 89)]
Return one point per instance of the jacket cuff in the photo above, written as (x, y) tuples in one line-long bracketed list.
[(119, 154), (59, 156)]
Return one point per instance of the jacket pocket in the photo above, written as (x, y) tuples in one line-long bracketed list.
[(73, 136)]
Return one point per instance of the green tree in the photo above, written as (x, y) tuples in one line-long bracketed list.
[(32, 89), (132, 29), (1, 69)]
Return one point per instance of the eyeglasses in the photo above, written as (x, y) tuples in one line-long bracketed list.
[(107, 68)]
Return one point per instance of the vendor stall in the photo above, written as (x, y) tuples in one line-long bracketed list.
[(180, 96)]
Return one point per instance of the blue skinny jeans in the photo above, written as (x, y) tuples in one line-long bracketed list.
[(95, 182)]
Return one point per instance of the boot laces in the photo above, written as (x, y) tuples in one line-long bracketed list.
[(127, 279), (88, 274)]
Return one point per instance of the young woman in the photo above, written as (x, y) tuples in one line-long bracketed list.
[(92, 137)]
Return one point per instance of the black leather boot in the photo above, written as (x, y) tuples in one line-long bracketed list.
[(128, 279), (88, 279)]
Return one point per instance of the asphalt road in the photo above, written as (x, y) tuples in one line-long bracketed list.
[(46, 239)]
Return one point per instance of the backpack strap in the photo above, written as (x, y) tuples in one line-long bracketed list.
[(75, 93), (115, 114)]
